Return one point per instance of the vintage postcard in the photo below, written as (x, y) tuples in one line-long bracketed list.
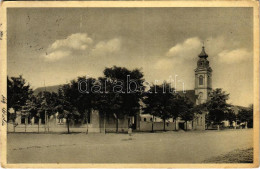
[(129, 84)]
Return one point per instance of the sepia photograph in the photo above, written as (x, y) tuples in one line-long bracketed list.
[(142, 84)]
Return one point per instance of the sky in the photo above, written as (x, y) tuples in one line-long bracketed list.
[(55, 45)]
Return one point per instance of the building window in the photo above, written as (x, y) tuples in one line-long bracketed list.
[(200, 80), (144, 119)]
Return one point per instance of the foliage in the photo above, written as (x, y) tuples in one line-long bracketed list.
[(230, 116), (246, 115), (187, 112), (119, 97), (18, 92), (158, 101), (217, 106), (64, 106)]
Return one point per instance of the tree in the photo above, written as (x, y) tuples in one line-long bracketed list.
[(158, 102), (150, 101), (83, 100), (207, 120), (18, 93), (104, 101), (230, 116), (64, 107), (123, 100), (46, 106), (217, 106), (187, 110), (246, 115), (28, 109)]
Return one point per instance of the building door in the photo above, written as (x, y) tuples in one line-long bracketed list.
[(181, 125)]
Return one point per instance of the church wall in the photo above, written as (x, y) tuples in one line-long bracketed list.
[(199, 122)]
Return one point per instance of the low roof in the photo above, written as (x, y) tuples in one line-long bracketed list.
[(190, 94)]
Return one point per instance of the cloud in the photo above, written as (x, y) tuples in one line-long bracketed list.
[(234, 56), (80, 44), (77, 41), (107, 47), (64, 47), (186, 49), (56, 55)]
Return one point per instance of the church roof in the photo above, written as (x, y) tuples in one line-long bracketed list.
[(203, 54), (54, 89), (190, 94)]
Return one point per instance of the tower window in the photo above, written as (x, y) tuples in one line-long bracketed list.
[(200, 80)]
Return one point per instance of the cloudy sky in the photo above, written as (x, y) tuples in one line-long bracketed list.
[(57, 45)]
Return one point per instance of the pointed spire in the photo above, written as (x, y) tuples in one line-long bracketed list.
[(203, 54)]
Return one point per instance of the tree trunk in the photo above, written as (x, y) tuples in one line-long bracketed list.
[(14, 125), (48, 123), (25, 128), (87, 125), (14, 120), (164, 125), (38, 125), (105, 122), (25, 123), (152, 123), (86, 115), (116, 125), (186, 125), (175, 126), (45, 121), (68, 125)]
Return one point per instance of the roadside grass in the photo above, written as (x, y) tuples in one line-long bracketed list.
[(236, 156)]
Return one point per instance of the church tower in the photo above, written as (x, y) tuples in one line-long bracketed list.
[(203, 73)]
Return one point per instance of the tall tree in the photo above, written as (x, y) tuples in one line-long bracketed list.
[(150, 100), (217, 106), (18, 92), (246, 115), (158, 102), (187, 110), (176, 107), (28, 110), (64, 107), (126, 91), (230, 116), (82, 96), (104, 101)]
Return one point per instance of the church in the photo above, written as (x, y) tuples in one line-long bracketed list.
[(200, 94), (141, 122)]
